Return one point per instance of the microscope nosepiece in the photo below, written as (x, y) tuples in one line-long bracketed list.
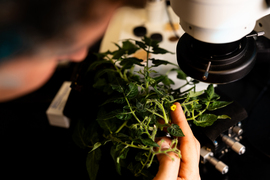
[(216, 63)]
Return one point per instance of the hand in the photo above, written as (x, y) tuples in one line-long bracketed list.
[(188, 167)]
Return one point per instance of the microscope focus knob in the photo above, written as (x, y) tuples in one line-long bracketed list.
[(237, 130), (219, 165), (236, 146), (208, 156)]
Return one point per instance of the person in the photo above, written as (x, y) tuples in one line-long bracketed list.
[(36, 34)]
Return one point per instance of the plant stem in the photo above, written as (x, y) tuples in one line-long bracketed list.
[(188, 90), (200, 113), (160, 105), (112, 138), (144, 164), (134, 146), (173, 148), (133, 113), (190, 102), (178, 99), (151, 160), (123, 76), (146, 71), (121, 127), (163, 110), (154, 112)]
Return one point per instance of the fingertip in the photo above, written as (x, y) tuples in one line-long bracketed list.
[(179, 118), (177, 104), (178, 114)]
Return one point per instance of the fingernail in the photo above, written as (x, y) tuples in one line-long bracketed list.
[(164, 145)]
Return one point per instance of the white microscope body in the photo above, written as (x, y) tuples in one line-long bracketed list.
[(219, 21)]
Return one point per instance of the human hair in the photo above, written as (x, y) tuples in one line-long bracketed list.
[(26, 23)]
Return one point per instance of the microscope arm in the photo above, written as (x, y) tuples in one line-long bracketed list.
[(219, 21)]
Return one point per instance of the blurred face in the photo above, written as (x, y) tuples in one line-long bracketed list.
[(24, 74)]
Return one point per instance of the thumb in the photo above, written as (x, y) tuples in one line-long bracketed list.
[(168, 164)]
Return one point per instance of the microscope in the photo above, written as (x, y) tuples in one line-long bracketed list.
[(219, 47)]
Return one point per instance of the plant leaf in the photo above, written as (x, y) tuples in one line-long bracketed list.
[(217, 105), (150, 42), (97, 63), (205, 120), (180, 74), (124, 115), (194, 106), (149, 142), (159, 92), (133, 91), (107, 126), (164, 79), (141, 44), (96, 145), (224, 117), (117, 45), (107, 120), (175, 130), (107, 116), (141, 105), (158, 50), (109, 71), (118, 152), (141, 156), (158, 62), (118, 100), (192, 94), (129, 47), (127, 63), (210, 92), (118, 53), (167, 81), (101, 55), (135, 168), (100, 83), (83, 136), (158, 79), (117, 88), (92, 163)]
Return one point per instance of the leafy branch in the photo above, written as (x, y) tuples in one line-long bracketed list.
[(136, 101)]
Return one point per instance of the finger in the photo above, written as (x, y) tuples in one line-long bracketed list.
[(168, 168), (179, 118), (168, 164), (189, 146)]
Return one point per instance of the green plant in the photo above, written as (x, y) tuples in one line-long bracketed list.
[(135, 101)]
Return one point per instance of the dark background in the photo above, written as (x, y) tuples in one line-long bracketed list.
[(31, 148)]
